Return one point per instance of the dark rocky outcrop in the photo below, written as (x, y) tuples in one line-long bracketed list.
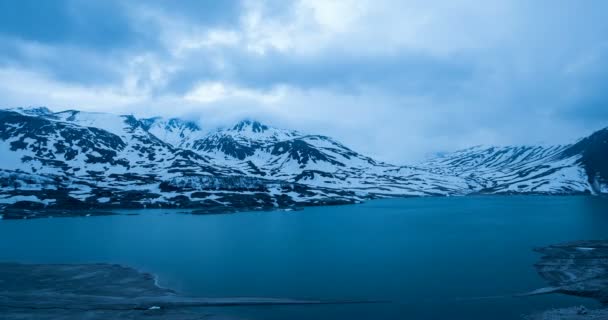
[(577, 268), (594, 155)]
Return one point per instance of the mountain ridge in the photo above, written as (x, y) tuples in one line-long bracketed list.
[(99, 160)]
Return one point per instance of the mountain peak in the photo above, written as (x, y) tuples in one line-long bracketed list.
[(250, 125), (34, 110), (170, 124), (174, 131)]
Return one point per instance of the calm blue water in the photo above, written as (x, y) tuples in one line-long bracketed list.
[(433, 258)]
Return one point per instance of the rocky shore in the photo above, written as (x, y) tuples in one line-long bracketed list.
[(105, 291), (224, 202), (577, 268)]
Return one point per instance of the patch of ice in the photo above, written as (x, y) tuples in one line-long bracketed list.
[(14, 199), (584, 249)]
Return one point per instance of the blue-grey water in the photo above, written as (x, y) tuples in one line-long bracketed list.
[(432, 258)]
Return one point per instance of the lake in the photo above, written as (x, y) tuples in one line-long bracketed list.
[(432, 258)]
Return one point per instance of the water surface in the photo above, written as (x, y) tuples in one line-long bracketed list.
[(433, 258)]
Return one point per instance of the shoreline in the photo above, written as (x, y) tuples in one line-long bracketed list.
[(110, 291), (26, 211), (578, 268)]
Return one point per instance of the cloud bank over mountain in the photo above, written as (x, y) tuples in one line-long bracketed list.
[(395, 79)]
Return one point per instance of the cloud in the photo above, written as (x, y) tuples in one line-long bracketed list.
[(24, 88), (211, 92), (94, 24), (396, 79)]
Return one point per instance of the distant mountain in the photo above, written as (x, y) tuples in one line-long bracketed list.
[(592, 154), (316, 161), (73, 159), (565, 169), (242, 140), (176, 132)]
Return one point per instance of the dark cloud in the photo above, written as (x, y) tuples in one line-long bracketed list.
[(93, 42), (407, 73), (506, 72), (95, 24), (67, 64)]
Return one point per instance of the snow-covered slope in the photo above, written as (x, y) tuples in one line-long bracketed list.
[(75, 159), (516, 169), (176, 132), (317, 161), (592, 155), (100, 160)]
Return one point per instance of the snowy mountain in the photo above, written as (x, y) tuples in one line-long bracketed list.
[(176, 132), (592, 154), (563, 169), (81, 160), (317, 161)]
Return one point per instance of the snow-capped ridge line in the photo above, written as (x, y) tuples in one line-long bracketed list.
[(89, 160)]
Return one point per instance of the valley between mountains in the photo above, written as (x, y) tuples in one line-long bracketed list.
[(74, 160)]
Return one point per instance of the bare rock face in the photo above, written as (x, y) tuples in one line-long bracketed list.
[(577, 268), (105, 291)]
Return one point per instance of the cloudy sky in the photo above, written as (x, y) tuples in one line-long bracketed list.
[(395, 79)]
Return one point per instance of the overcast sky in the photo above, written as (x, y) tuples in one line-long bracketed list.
[(395, 79)]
